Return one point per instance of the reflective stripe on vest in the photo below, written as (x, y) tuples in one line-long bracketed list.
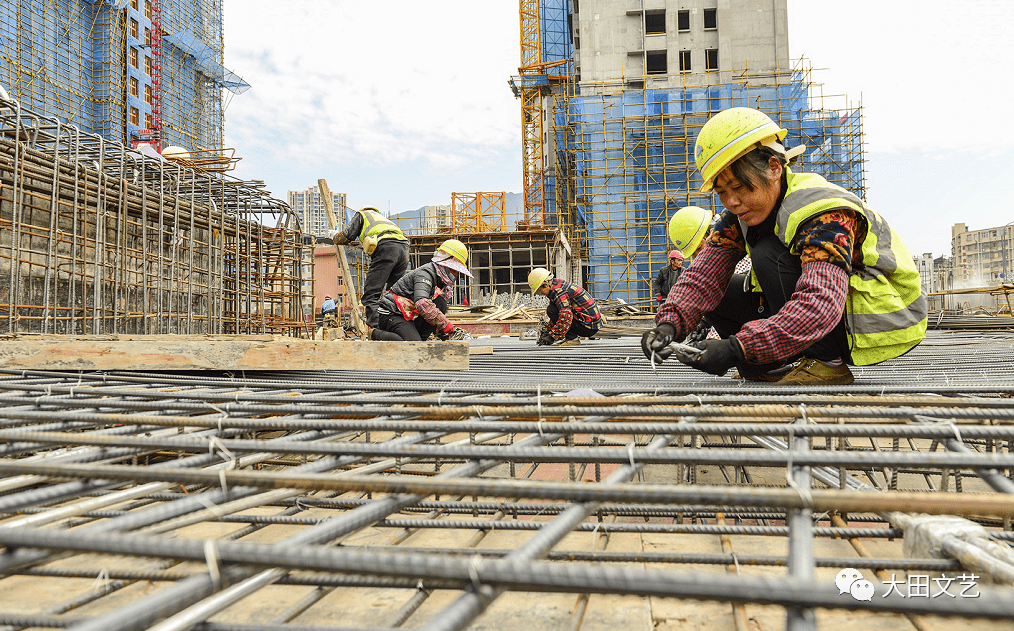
[(886, 308), (375, 223)]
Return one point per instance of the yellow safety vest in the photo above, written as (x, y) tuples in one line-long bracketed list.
[(885, 311), (379, 226)]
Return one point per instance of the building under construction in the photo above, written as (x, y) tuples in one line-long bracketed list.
[(128, 70)]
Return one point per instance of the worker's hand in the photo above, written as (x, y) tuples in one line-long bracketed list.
[(660, 298), (545, 340), (655, 342), (716, 356), (446, 333)]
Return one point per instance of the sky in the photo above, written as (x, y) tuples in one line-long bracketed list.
[(398, 104)]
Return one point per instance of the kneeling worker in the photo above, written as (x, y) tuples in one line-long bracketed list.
[(572, 311), (415, 305), (832, 283)]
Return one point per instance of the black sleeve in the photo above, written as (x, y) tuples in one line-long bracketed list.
[(656, 284), (423, 284), (355, 226)]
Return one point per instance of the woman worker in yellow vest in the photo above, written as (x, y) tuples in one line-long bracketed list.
[(832, 283), (386, 245)]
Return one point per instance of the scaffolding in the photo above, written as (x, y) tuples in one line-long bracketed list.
[(99, 239), (105, 69), (624, 161)]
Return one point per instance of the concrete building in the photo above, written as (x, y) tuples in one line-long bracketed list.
[(664, 44), (982, 257), (309, 205)]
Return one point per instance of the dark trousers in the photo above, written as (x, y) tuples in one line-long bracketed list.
[(394, 327), (778, 271), (388, 263), (577, 327)]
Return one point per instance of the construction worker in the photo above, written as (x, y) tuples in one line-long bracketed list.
[(571, 313), (327, 307), (832, 284), (687, 228), (667, 276), (415, 305), (387, 247)]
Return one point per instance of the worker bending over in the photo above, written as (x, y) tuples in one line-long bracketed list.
[(327, 307), (415, 305), (832, 284), (387, 247), (571, 313), (667, 276)]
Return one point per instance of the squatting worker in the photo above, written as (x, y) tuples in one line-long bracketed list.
[(832, 284), (387, 247), (667, 276), (415, 305), (571, 312)]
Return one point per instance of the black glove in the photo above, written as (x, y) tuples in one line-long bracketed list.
[(446, 333), (700, 333), (656, 341), (545, 340), (716, 357)]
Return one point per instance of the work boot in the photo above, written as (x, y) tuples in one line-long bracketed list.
[(813, 372)]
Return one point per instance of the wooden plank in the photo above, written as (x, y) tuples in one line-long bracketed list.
[(195, 352), (350, 287), (480, 350)]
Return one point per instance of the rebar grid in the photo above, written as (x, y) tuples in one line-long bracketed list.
[(99, 239), (494, 491)]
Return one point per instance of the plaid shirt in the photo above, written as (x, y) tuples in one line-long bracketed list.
[(573, 301), (815, 307)]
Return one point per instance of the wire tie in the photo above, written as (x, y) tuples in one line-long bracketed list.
[(214, 442), (478, 412), (957, 433), (474, 565), (630, 452), (653, 359), (101, 582), (735, 561), (211, 506), (224, 414), (802, 410), (419, 586), (211, 558), (539, 425), (299, 504), (221, 479), (700, 403)]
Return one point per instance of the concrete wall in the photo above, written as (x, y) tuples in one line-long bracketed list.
[(611, 43)]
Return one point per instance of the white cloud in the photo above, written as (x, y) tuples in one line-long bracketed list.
[(348, 84)]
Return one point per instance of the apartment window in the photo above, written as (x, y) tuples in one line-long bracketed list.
[(133, 57), (711, 59), (147, 65), (656, 63), (133, 4), (147, 8), (133, 86), (147, 121), (683, 20), (147, 37), (134, 116), (684, 61), (133, 28), (147, 94), (654, 23), (710, 19)]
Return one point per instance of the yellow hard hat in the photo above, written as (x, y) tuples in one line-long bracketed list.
[(538, 276), (687, 228), (729, 136), (455, 248)]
